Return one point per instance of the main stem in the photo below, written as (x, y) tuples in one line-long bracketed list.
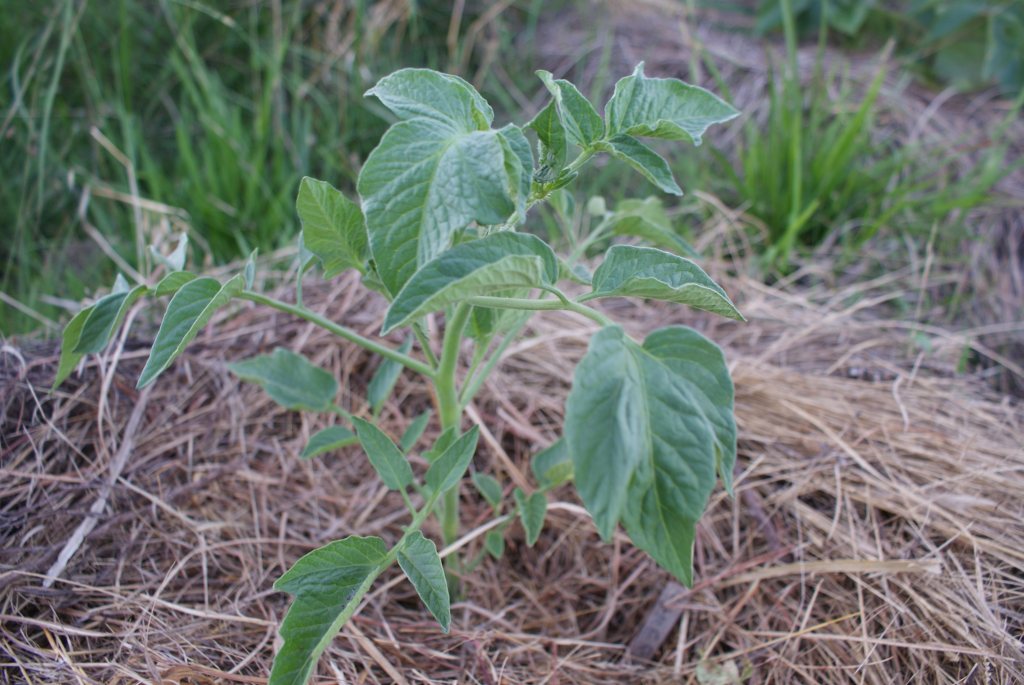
[(449, 408)]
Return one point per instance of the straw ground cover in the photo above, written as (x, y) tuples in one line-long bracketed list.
[(875, 534)]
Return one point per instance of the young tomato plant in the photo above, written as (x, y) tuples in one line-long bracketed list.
[(435, 230)]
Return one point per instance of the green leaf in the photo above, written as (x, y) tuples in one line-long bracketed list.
[(447, 470), (531, 510), (69, 341), (434, 173), (422, 566), (519, 168), (290, 379), (105, 317), (327, 440), (494, 543), (489, 488), (663, 108), (176, 260), (188, 311), (582, 123), (647, 219), (629, 271), (325, 584), (649, 163), (481, 267), (647, 426), (552, 466), (552, 145), (249, 271), (385, 456), (384, 379), (332, 227), (413, 433), (172, 282)]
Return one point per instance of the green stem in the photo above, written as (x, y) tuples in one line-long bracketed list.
[(475, 382), (539, 305), (341, 332), (424, 339), (449, 409)]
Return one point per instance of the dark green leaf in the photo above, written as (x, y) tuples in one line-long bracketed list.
[(494, 542), (552, 144), (290, 380), (489, 488), (383, 381), (663, 108), (649, 163), (105, 318), (325, 583), (649, 272), (582, 123), (446, 472), (414, 431), (385, 456), (332, 227), (188, 311), (531, 510), (68, 357), (328, 440), (552, 466), (419, 559), (481, 267)]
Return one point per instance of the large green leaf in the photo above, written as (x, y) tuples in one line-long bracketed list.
[(446, 471), (325, 583), (552, 143), (332, 227), (435, 172), (387, 459), (422, 566), (582, 123), (649, 163), (633, 271), (487, 266), (647, 219), (647, 426), (663, 108), (384, 379), (328, 440), (69, 341), (105, 318), (188, 311), (290, 379)]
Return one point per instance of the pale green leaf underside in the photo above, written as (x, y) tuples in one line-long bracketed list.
[(531, 510), (387, 459), (446, 471), (583, 125), (175, 261), (324, 583), (630, 271), (646, 427), (643, 159), (663, 108), (105, 317), (290, 379), (422, 566), (327, 440), (647, 219), (332, 227), (498, 262), (189, 310)]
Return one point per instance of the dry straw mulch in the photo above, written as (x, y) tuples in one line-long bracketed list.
[(876, 535)]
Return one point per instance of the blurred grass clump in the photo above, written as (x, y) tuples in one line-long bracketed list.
[(128, 121)]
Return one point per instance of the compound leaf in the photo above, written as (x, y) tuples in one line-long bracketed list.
[(188, 311), (498, 262), (327, 440), (385, 456), (105, 318), (663, 108), (290, 379), (633, 271), (532, 510), (325, 583), (649, 163), (333, 228), (422, 566), (446, 471), (647, 427), (582, 123)]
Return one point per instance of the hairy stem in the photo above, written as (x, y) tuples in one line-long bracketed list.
[(449, 409), (341, 332), (540, 305)]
